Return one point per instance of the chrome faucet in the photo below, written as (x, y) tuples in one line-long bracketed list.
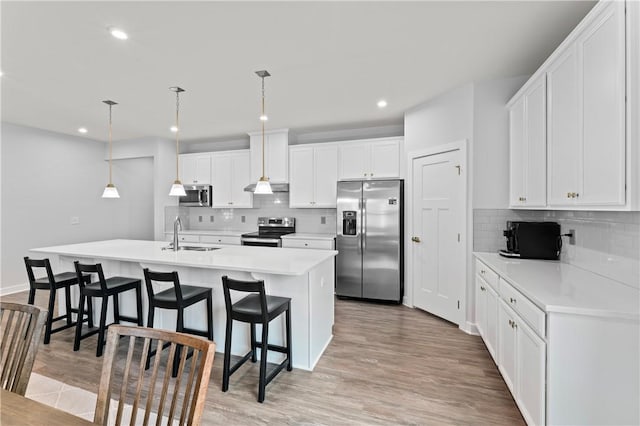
[(177, 226)]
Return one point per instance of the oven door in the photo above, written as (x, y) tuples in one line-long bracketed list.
[(261, 242)]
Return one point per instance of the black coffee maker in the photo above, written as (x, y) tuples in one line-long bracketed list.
[(532, 240)]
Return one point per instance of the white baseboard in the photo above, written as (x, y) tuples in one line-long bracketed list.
[(469, 328), (14, 289)]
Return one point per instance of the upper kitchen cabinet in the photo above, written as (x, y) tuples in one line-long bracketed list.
[(587, 115), (276, 155), (592, 93), (372, 158), (231, 173), (313, 172), (528, 144), (196, 168)]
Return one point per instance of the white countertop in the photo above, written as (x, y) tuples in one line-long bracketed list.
[(302, 236), (559, 287), (210, 232), (279, 261)]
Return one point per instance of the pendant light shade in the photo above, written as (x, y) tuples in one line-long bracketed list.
[(177, 189), (263, 186), (110, 191)]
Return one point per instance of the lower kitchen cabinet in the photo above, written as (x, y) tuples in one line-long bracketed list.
[(530, 373), (233, 240), (507, 346), (308, 241), (487, 314)]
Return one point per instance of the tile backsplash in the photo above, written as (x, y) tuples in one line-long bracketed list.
[(273, 205), (607, 243)]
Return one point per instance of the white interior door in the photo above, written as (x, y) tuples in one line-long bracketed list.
[(439, 260)]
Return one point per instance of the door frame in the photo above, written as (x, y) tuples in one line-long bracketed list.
[(460, 145)]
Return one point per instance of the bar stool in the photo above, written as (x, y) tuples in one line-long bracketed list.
[(255, 309), (53, 283), (178, 298), (105, 288)]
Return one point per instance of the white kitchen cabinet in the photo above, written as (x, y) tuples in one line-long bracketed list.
[(308, 243), (507, 346), (231, 173), (276, 155), (491, 322), (313, 176), (528, 148), (530, 373), (195, 168), (481, 306), (587, 116), (487, 307), (372, 158)]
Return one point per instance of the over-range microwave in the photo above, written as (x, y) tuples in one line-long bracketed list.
[(197, 196)]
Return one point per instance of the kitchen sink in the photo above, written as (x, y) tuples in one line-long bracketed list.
[(192, 248)]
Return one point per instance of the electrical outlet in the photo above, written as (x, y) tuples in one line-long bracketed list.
[(572, 238), (199, 218), (243, 219), (323, 220), (211, 218), (75, 220)]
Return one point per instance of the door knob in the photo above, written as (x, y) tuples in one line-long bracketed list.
[(415, 239)]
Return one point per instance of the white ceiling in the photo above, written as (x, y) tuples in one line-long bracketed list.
[(330, 61)]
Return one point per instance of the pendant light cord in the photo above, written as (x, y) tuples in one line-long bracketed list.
[(177, 134), (262, 120), (110, 147)]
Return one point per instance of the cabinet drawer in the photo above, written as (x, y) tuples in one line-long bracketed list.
[(183, 238), (220, 239), (529, 312), (311, 244), (485, 272)]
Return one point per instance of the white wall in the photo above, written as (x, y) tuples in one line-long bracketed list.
[(491, 142), (47, 178)]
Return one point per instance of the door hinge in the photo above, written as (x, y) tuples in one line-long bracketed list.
[(459, 169), (458, 304), (458, 237)]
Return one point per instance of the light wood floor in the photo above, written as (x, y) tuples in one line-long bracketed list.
[(386, 365)]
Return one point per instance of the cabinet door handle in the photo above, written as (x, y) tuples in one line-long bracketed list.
[(415, 239), (568, 195), (365, 174), (482, 271), (482, 288), (512, 300), (511, 323), (577, 194), (370, 174)]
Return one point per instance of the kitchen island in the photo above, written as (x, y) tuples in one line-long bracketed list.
[(306, 276)]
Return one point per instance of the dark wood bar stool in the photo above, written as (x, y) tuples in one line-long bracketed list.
[(256, 308), (178, 298), (105, 288), (54, 282)]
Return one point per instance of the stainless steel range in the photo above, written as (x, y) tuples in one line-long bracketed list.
[(270, 229)]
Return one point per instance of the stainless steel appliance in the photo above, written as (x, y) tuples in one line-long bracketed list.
[(197, 196), (370, 228), (533, 240), (270, 229)]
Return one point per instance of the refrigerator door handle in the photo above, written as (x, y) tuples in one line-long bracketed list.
[(364, 225)]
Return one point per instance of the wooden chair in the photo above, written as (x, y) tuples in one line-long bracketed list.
[(21, 327), (183, 397)]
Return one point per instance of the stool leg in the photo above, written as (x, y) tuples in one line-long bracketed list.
[(52, 303), (288, 320), (67, 302), (210, 316), (32, 296), (227, 355), (252, 327), (139, 305), (150, 325), (76, 340), (263, 362), (102, 325), (179, 328), (116, 309)]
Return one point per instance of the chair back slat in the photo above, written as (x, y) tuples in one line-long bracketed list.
[(172, 277), (90, 269), (22, 326), (39, 263), (182, 397), (244, 287)]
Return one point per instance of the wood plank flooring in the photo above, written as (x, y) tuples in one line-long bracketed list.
[(387, 364)]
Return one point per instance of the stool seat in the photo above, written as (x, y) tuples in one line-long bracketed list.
[(64, 279), (113, 284), (251, 306), (189, 293)]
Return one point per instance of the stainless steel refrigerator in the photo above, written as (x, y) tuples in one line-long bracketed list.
[(370, 228)]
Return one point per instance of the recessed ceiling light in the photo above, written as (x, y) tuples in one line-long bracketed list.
[(118, 33), (174, 129), (382, 103), (82, 130)]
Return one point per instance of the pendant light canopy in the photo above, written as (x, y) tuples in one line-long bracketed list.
[(263, 186), (177, 189), (110, 191)]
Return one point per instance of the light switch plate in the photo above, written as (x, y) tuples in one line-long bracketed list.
[(211, 218), (323, 220), (75, 220)]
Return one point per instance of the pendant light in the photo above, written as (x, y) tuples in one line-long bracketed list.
[(177, 189), (263, 186), (110, 191)]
